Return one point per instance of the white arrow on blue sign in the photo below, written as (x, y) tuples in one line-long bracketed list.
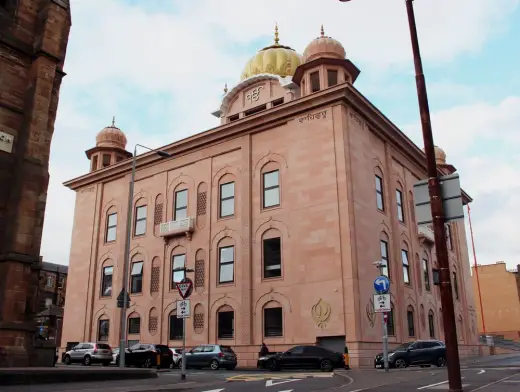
[(382, 284)]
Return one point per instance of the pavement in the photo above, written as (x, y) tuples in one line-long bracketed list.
[(489, 374)]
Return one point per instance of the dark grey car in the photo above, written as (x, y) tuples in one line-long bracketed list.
[(213, 356)]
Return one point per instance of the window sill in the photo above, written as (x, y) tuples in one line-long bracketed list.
[(273, 278), (226, 284), (382, 212), (105, 297), (139, 294), (110, 242), (219, 338), (138, 236), (225, 218), (273, 337), (270, 208)]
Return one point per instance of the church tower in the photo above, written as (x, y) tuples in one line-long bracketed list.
[(33, 42)]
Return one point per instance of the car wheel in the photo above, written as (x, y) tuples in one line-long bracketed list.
[(87, 361), (147, 363), (326, 366), (66, 360), (214, 365), (271, 365), (441, 362), (400, 363)]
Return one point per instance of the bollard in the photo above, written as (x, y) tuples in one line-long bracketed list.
[(158, 360)]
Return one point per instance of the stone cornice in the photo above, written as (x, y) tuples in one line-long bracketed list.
[(342, 94)]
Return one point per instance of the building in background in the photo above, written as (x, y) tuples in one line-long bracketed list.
[(33, 42), (500, 292), (280, 212)]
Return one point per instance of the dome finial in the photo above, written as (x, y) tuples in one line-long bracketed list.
[(113, 121), (322, 31), (276, 39), (225, 88)]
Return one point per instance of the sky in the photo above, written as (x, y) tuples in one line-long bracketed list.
[(159, 67)]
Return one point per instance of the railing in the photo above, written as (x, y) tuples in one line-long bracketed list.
[(181, 226)]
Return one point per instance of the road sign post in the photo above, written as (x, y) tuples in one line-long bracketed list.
[(383, 304), (185, 288)]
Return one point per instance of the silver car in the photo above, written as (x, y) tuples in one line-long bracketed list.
[(89, 353)]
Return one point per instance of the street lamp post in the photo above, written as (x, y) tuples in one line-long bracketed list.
[(124, 292), (448, 312)]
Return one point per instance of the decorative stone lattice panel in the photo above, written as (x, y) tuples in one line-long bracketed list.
[(157, 219), (199, 276), (198, 319), (154, 284), (201, 203), (152, 325)]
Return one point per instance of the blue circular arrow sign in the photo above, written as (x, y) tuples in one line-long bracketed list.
[(382, 284)]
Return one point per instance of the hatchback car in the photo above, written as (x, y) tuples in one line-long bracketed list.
[(89, 353), (213, 356)]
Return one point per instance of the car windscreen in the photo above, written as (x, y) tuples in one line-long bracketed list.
[(403, 346), (103, 346), (226, 349)]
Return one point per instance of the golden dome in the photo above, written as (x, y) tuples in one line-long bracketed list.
[(111, 136), (275, 59), (324, 46)]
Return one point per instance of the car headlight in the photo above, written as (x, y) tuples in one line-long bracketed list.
[(262, 359)]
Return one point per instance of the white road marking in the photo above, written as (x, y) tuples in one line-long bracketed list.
[(215, 390), (270, 383), (288, 390), (481, 372), (513, 381), (434, 385), (493, 383)]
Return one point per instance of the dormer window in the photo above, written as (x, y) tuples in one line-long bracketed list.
[(94, 162), (315, 81), (332, 77)]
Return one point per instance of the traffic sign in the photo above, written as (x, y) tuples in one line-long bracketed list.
[(123, 300), (382, 284), (183, 309), (185, 287), (382, 303)]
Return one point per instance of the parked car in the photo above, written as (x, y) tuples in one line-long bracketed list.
[(419, 352), (303, 357), (145, 355), (115, 355), (177, 357), (213, 356), (89, 353)]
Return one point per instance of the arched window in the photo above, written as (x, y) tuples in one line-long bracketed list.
[(140, 217), (103, 328), (271, 195), (180, 203), (406, 264), (385, 254), (136, 274), (431, 324), (225, 322), (271, 254), (226, 261), (226, 195), (107, 273), (399, 197), (411, 322), (178, 263), (426, 273), (273, 319), (380, 193), (111, 225), (134, 324)]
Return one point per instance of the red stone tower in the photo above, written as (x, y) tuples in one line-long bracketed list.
[(33, 42)]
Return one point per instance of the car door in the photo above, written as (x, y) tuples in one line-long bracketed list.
[(207, 354), (194, 357), (418, 353), (75, 354), (131, 355), (292, 358)]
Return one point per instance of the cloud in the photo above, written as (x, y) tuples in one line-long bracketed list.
[(161, 69)]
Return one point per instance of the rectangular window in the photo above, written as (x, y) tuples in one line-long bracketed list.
[(106, 160), (134, 325), (384, 258), (226, 264), (315, 81), (332, 77), (181, 205), (140, 220), (106, 281), (273, 322), (272, 258), (225, 323), (111, 228), (227, 199), (390, 325), (400, 211), (271, 188), (411, 325), (455, 285), (448, 237), (103, 329), (94, 162), (406, 266), (136, 278), (176, 330), (178, 262), (61, 282), (50, 282), (379, 194), (426, 271)]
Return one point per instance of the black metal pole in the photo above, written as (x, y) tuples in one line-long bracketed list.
[(448, 312)]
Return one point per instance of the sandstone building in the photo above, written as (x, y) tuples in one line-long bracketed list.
[(33, 41), (280, 211), (500, 292)]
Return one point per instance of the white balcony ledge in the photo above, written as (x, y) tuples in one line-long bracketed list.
[(178, 227)]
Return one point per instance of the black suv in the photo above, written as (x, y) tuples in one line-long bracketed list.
[(419, 353), (303, 357)]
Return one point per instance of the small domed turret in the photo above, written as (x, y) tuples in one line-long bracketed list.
[(440, 156), (324, 46), (111, 136)]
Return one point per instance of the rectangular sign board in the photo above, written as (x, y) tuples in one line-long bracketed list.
[(382, 303), (183, 308)]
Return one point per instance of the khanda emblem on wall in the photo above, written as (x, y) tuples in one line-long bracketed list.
[(321, 313), (254, 95), (371, 315)]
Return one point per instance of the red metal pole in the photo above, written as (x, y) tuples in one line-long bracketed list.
[(450, 328), (476, 271)]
